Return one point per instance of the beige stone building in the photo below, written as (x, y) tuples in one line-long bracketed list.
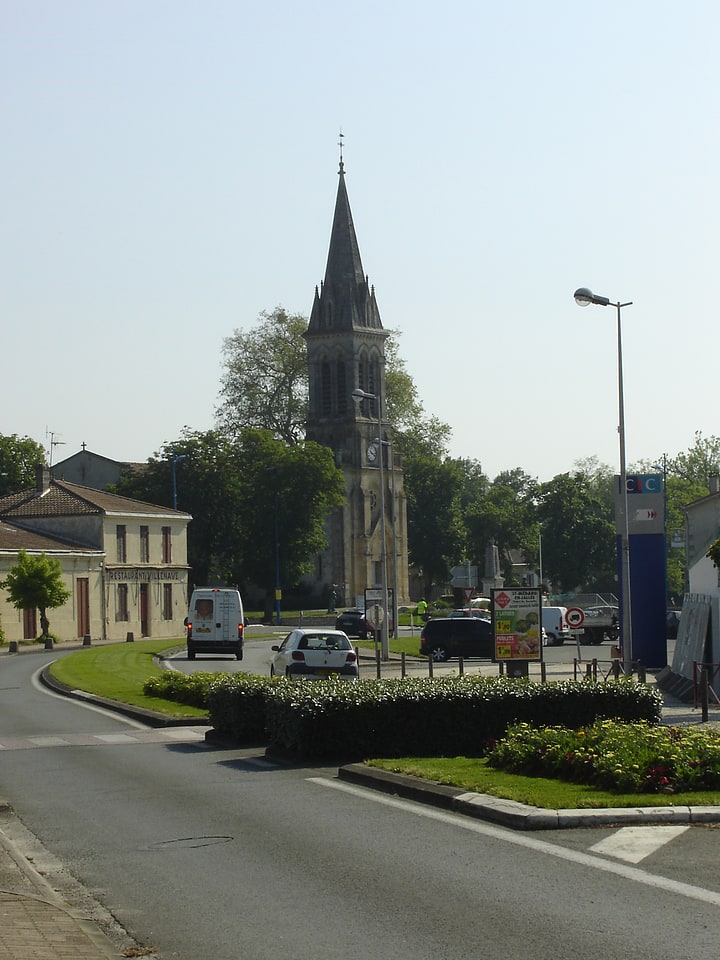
[(123, 561)]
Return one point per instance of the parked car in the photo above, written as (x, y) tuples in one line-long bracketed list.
[(354, 624), (315, 655), (448, 637)]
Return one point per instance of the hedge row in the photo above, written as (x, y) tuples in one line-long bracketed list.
[(450, 716)]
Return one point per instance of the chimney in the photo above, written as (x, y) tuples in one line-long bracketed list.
[(42, 479)]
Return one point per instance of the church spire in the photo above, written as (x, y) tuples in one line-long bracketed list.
[(346, 300)]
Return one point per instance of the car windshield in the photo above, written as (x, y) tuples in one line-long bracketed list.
[(324, 641)]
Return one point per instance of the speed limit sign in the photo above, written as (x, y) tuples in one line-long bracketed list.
[(575, 617)]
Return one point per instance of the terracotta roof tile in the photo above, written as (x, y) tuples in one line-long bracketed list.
[(63, 499)]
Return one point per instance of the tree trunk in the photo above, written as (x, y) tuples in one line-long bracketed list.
[(44, 624)]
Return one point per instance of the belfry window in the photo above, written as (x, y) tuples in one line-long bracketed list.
[(342, 391), (325, 388)]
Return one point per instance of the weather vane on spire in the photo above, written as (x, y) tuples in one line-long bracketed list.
[(340, 144)]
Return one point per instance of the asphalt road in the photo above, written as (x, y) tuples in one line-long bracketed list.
[(216, 853)]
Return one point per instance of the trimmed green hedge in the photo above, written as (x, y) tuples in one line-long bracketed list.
[(411, 717)]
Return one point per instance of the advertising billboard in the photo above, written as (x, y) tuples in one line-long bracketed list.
[(517, 629)]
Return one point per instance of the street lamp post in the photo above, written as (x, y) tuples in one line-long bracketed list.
[(359, 395), (583, 297), (176, 458), (393, 534)]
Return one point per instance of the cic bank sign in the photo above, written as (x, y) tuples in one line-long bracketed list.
[(645, 504)]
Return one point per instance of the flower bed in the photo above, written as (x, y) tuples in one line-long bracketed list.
[(621, 757)]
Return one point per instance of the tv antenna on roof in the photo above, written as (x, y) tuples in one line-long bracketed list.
[(53, 442)]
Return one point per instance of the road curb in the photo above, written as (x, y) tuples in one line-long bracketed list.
[(518, 816)]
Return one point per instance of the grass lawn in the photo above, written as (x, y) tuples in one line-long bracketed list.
[(118, 672), (410, 646), (473, 774)]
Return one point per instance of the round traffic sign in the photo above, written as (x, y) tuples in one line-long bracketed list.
[(575, 617)]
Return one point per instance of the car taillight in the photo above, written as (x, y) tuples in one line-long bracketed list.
[(241, 627), (298, 655), (351, 657), (189, 630)]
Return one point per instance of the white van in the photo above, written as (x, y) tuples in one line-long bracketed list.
[(554, 619), (215, 622)]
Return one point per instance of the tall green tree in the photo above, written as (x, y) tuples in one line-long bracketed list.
[(233, 489), (578, 534), (207, 472), (18, 457), (288, 492), (505, 516), (699, 463), (436, 530), (264, 385), (35, 583)]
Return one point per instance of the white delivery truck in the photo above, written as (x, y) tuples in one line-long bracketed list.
[(554, 619), (215, 622)]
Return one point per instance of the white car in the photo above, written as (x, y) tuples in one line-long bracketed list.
[(315, 655)]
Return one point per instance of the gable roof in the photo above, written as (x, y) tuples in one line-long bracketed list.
[(61, 499)]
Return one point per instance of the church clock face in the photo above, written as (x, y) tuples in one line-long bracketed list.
[(372, 452)]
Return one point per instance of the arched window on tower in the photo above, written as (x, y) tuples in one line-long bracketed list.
[(342, 390), (325, 389), (373, 384)]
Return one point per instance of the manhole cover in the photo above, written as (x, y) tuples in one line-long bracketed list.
[(188, 842)]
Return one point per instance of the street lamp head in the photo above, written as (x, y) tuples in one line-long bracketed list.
[(584, 296), (359, 395)]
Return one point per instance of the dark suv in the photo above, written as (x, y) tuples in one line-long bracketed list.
[(443, 639), (354, 624)]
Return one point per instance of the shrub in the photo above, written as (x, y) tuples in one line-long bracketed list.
[(191, 689), (621, 757), (448, 716), (237, 706)]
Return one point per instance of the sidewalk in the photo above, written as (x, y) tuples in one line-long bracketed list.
[(35, 923)]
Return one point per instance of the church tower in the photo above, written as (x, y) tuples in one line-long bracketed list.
[(346, 351)]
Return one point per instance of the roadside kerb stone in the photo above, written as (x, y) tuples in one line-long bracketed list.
[(516, 815)]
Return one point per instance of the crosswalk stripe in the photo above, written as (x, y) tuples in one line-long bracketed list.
[(171, 735), (633, 844)]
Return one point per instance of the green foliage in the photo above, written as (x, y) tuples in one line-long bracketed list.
[(230, 488), (191, 688), (505, 516), (265, 382), (699, 463), (35, 583), (436, 530), (714, 553), (623, 757), (578, 532), (238, 706), (18, 457), (453, 716)]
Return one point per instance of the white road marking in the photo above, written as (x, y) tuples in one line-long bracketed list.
[(633, 844), (634, 874)]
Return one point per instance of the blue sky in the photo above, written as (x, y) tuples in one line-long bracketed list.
[(169, 171)]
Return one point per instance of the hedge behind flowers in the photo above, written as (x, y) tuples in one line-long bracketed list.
[(448, 716)]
